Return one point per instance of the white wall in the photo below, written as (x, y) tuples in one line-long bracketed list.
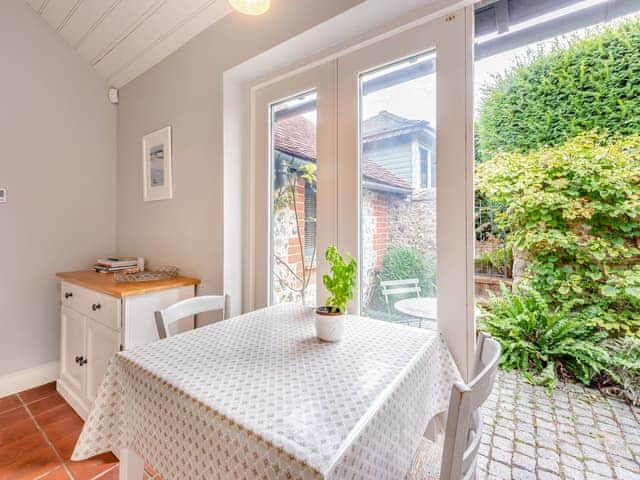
[(57, 160), (186, 91)]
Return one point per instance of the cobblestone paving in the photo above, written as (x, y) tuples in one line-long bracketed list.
[(576, 433)]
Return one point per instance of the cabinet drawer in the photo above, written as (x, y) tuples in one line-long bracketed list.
[(102, 308)]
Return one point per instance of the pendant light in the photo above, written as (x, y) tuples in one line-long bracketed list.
[(250, 7)]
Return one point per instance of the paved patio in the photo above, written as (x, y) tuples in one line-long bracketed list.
[(576, 433)]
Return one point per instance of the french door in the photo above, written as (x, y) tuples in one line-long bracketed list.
[(293, 169), (372, 152)]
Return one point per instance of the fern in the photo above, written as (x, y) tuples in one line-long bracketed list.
[(543, 342)]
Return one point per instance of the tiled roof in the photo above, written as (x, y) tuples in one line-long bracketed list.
[(296, 136), (379, 174), (385, 125)]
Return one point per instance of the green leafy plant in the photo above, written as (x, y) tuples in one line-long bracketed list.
[(592, 83), (541, 341), (575, 210), (622, 376), (400, 263), (342, 280), (498, 259), (288, 181)]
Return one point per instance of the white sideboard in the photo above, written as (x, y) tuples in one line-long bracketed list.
[(100, 317)]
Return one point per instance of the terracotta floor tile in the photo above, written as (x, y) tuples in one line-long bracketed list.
[(110, 475), (57, 474), (87, 469), (9, 403), (33, 465), (17, 430), (38, 393), (56, 414), (68, 425), (65, 445), (46, 403), (21, 448), (12, 416)]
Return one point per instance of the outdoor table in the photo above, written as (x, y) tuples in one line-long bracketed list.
[(422, 307), (259, 396)]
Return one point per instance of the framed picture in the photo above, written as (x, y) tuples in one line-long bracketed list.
[(156, 165)]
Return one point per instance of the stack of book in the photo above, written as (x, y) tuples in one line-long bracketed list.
[(107, 265)]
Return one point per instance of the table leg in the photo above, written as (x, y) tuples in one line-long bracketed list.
[(131, 465)]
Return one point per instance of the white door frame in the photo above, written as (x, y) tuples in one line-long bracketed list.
[(449, 37), (321, 79), (452, 37)]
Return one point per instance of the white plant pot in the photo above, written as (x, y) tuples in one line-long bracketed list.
[(330, 328)]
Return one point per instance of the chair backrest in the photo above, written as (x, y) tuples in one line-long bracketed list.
[(399, 287), (186, 308), (464, 423)]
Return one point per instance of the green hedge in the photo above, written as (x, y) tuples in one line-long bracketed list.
[(575, 209), (592, 84)]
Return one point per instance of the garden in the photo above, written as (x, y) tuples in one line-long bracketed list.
[(558, 163)]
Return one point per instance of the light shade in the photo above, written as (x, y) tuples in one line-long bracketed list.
[(251, 7)]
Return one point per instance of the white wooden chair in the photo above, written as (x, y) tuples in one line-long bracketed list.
[(456, 459), (399, 287), (186, 308)]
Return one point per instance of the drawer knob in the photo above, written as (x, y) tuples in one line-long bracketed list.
[(68, 294), (95, 306)]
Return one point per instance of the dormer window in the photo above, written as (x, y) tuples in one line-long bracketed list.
[(427, 169)]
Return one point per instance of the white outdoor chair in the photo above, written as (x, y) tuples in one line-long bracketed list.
[(456, 459), (186, 308), (399, 287)]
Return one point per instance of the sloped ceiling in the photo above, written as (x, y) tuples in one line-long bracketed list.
[(121, 39)]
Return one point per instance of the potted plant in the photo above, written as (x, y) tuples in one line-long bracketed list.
[(340, 285)]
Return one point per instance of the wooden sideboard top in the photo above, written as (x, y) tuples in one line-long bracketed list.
[(105, 283)]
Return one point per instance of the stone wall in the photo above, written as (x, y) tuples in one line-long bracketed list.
[(393, 220), (287, 257)]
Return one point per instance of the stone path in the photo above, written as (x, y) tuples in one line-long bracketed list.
[(576, 433)]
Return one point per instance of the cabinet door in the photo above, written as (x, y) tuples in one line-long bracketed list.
[(102, 344), (72, 347)]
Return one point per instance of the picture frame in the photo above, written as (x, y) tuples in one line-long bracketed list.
[(157, 174)]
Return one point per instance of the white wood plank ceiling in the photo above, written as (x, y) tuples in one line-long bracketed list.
[(123, 38)]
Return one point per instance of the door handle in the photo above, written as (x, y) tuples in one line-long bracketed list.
[(82, 362), (68, 294), (79, 359), (95, 306)]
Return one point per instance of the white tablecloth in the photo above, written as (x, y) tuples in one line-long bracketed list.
[(259, 397)]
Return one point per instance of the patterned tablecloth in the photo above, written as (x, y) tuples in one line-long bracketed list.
[(260, 397)]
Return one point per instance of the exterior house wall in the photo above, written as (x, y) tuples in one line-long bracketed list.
[(392, 221), (286, 251), (393, 155)]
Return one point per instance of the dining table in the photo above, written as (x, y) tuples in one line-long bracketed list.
[(259, 396)]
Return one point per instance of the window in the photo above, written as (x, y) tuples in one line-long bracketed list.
[(309, 223), (427, 169)]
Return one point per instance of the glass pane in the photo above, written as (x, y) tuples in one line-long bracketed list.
[(398, 191), (293, 198)]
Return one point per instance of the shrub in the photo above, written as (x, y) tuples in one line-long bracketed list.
[(496, 259), (543, 342), (593, 83), (575, 209), (623, 373), (400, 263)]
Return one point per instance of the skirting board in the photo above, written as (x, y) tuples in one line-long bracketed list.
[(28, 378)]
